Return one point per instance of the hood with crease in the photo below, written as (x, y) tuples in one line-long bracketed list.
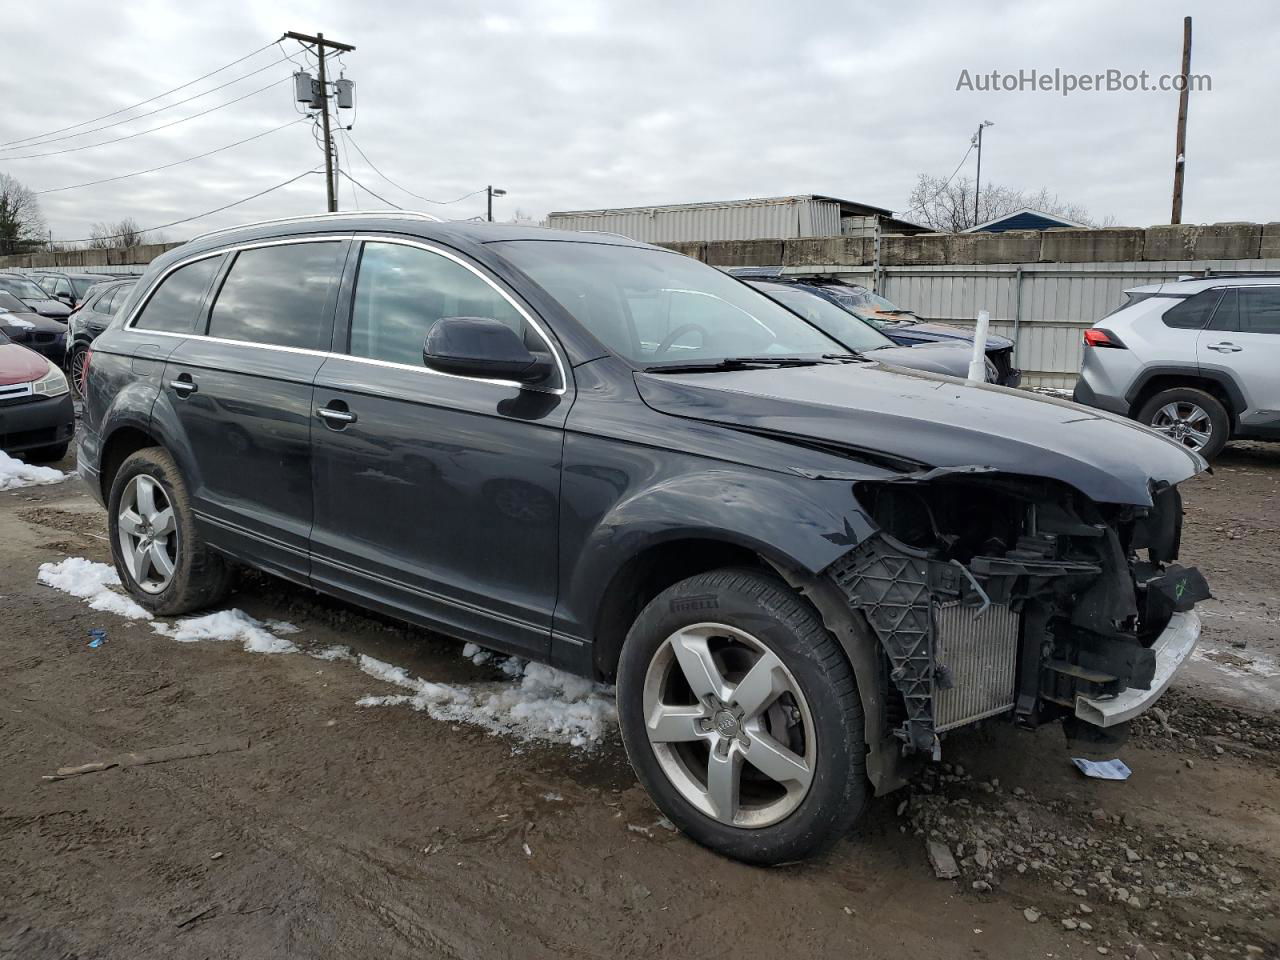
[(933, 421)]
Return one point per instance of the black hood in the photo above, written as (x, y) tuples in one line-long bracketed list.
[(49, 308), (934, 421)]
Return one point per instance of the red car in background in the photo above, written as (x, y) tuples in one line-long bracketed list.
[(37, 420)]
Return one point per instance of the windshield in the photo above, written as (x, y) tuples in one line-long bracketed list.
[(82, 285), (22, 288), (11, 303), (852, 331), (872, 307), (653, 308)]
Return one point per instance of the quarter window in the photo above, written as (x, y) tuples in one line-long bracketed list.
[(175, 303), (401, 292), (1192, 313), (278, 295)]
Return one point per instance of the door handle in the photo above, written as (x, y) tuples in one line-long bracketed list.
[(331, 415), (183, 388), (1226, 346)]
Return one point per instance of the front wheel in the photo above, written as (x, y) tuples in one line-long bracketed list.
[(741, 718)]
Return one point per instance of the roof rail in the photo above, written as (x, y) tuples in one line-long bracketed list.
[(603, 233), (413, 214), (1212, 274)]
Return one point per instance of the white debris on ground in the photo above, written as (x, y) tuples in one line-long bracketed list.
[(546, 704), (231, 625), (538, 703), (92, 582), (14, 473)]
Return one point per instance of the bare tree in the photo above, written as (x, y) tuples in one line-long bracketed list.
[(948, 207), (21, 223), (122, 234)]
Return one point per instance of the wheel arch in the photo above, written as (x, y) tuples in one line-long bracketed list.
[(121, 443), (1220, 385)]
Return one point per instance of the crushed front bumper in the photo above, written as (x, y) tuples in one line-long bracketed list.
[(1171, 649)]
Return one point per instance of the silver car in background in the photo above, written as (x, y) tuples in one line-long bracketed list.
[(1196, 360)]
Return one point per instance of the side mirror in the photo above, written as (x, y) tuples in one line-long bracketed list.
[(64, 297), (483, 347)]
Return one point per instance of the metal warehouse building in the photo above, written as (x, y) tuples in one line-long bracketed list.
[(767, 218)]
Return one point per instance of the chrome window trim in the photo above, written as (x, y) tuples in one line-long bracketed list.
[(358, 238)]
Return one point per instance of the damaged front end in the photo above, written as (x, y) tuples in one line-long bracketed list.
[(995, 594)]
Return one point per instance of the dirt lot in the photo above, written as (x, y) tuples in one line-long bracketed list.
[(346, 830)]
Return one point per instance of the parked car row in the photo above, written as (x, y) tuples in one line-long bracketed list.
[(802, 568)]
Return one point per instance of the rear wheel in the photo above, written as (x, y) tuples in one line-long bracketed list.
[(161, 559), (1191, 417), (78, 367), (741, 718)]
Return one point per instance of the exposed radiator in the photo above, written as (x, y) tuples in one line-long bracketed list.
[(981, 656)]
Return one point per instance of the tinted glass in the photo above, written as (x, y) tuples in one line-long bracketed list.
[(22, 288), (105, 302), (652, 307), (81, 285), (174, 305), (1259, 309), (1226, 316), (1192, 313), (402, 291), (11, 303), (852, 331), (278, 295)]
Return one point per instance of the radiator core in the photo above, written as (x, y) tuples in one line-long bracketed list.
[(982, 657)]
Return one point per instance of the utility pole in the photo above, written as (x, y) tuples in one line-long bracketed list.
[(493, 191), (321, 45), (977, 180), (1184, 97)]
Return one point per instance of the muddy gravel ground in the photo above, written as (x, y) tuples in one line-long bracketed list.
[(353, 831)]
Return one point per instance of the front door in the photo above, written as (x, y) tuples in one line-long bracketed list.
[(436, 496), (242, 393)]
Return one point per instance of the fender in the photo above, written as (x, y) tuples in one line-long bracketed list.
[(1223, 378), (802, 524)]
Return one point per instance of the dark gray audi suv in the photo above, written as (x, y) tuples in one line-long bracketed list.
[(803, 569)]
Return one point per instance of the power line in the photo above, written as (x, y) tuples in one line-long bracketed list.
[(151, 113), (443, 203), (142, 103), (141, 133), (166, 166), (944, 186), (368, 191), (207, 213)]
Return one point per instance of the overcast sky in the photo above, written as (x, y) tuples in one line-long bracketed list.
[(571, 105)]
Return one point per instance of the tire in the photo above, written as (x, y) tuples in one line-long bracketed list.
[(1171, 412), (199, 577), (74, 361), (735, 615), (50, 454)]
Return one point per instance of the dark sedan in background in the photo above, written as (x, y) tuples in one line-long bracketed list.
[(901, 326), (22, 325), (33, 295), (70, 288), (88, 320)]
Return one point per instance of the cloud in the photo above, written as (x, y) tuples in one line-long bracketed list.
[(586, 105)]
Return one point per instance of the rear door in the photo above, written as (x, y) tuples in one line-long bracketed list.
[(239, 393), (1243, 339), (436, 496)]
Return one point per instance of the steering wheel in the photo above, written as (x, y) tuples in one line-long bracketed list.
[(669, 340)]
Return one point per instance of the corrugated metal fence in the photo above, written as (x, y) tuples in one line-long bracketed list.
[(1043, 306)]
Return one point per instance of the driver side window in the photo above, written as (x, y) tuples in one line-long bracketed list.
[(402, 291)]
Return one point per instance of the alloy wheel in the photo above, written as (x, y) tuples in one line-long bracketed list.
[(1186, 422), (79, 367), (729, 725), (148, 534)]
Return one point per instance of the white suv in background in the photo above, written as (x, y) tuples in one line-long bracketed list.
[(1197, 360)]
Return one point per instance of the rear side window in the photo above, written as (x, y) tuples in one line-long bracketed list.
[(1192, 313), (108, 301), (175, 303), (402, 291), (1259, 309), (278, 295)]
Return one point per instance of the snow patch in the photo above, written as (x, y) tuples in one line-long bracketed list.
[(336, 652), (228, 625), (14, 473), (546, 704), (92, 582)]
